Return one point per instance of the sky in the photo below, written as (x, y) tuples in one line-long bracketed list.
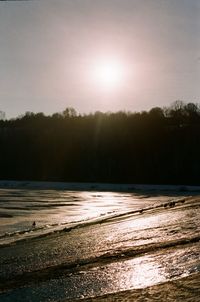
[(52, 54)]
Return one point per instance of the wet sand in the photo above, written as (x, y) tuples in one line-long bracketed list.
[(186, 289), (99, 246)]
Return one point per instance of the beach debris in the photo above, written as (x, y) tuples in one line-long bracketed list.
[(171, 204)]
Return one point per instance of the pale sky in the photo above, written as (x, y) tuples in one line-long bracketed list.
[(49, 51)]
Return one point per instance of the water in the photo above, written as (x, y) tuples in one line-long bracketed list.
[(51, 209), (88, 243)]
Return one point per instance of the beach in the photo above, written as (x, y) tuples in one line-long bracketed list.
[(185, 289), (90, 245)]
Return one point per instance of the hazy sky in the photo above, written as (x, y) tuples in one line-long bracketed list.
[(49, 49)]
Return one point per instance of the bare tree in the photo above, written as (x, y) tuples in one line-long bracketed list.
[(2, 115)]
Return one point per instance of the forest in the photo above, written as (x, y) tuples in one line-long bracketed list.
[(159, 146)]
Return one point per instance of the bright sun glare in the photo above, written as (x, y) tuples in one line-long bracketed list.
[(108, 74)]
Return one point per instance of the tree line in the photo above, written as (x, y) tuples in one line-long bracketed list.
[(159, 146)]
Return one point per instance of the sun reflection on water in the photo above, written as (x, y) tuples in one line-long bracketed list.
[(145, 273), (99, 203)]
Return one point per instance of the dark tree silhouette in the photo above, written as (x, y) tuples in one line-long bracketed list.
[(2, 115), (159, 146)]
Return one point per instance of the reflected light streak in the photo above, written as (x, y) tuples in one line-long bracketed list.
[(146, 273), (98, 203)]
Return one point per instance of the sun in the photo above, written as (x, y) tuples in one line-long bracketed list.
[(107, 74)]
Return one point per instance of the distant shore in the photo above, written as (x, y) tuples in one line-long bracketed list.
[(78, 186)]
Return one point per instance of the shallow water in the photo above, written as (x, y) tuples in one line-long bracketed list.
[(52, 208), (92, 243)]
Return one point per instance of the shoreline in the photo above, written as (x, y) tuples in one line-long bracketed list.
[(127, 256), (80, 186), (186, 288)]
